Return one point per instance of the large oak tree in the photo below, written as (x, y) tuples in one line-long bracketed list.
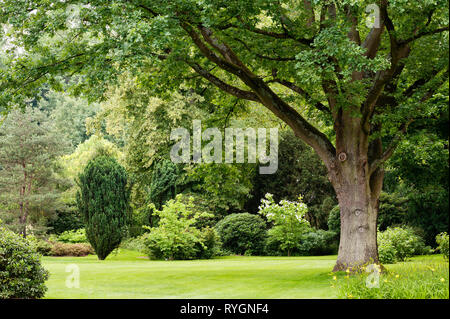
[(314, 64)]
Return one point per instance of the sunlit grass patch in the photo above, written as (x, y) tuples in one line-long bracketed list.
[(422, 279)]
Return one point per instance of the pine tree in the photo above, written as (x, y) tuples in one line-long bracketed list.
[(29, 188), (103, 200)]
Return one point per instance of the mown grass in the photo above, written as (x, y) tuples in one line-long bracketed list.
[(129, 274)]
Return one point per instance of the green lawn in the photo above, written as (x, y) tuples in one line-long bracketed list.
[(129, 275)]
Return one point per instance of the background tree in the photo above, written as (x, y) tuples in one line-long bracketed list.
[(300, 171), (69, 115), (312, 64), (164, 183), (29, 187), (103, 200)]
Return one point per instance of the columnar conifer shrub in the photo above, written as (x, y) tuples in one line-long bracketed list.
[(103, 200), (21, 272)]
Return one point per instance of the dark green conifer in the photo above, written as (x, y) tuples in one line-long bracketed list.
[(103, 200)]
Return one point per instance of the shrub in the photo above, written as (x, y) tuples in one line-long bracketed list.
[(211, 244), (386, 252), (404, 241), (442, 241), (73, 236), (103, 199), (75, 250), (242, 232), (21, 272), (317, 242), (176, 236), (288, 219), (42, 247)]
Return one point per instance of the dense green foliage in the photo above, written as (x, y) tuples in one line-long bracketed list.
[(65, 221), (103, 199), (21, 272), (72, 236), (398, 244), (317, 243), (68, 114), (289, 222), (243, 233), (300, 171), (334, 220), (30, 190), (164, 183), (177, 237)]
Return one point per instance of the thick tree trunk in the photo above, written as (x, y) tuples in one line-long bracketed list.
[(358, 191), (358, 241)]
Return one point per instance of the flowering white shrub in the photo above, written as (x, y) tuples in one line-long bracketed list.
[(289, 221)]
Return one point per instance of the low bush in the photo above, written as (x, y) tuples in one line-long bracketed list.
[(317, 243), (242, 233), (43, 247), (426, 280), (442, 241), (75, 250), (210, 244), (73, 236), (386, 252), (21, 273), (312, 243), (403, 240), (176, 236), (289, 223)]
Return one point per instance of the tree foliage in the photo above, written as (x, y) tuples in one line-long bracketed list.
[(300, 171), (29, 185), (348, 89)]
